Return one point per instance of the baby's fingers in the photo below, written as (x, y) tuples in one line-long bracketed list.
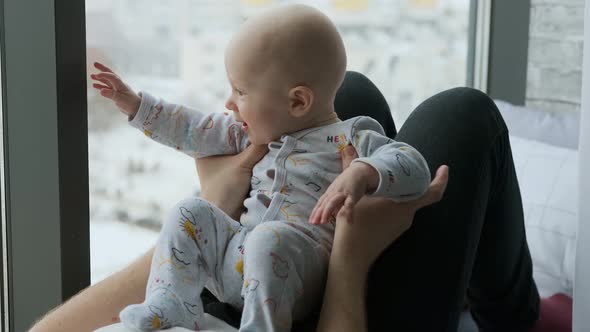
[(316, 212), (314, 217), (109, 93), (112, 80), (101, 80), (102, 67), (332, 206), (100, 86)]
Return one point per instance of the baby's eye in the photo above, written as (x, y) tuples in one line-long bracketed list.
[(239, 92)]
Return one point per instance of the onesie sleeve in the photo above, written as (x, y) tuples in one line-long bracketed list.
[(188, 130), (403, 172)]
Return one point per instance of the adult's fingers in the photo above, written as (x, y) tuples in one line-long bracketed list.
[(436, 189), (346, 214), (348, 154), (350, 203), (251, 155)]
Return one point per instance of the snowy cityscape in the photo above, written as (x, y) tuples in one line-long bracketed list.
[(410, 49)]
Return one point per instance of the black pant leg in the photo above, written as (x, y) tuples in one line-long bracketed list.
[(501, 293), (418, 283), (359, 96)]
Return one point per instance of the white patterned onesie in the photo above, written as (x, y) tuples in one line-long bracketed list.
[(271, 263)]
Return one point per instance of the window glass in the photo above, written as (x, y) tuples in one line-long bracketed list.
[(410, 49)]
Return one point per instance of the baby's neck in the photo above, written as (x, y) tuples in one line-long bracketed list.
[(323, 120), (326, 120)]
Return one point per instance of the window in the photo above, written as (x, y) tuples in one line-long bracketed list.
[(411, 49)]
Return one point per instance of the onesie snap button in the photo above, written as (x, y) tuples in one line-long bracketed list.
[(270, 173), (264, 199)]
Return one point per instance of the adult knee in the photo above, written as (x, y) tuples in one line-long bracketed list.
[(470, 104)]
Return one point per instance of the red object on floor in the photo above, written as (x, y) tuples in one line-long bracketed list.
[(555, 314)]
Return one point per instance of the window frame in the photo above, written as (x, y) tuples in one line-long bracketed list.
[(498, 48), (46, 185)]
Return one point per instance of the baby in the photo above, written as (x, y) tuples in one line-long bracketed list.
[(284, 67)]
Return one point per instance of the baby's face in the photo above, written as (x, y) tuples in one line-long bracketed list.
[(257, 100), (284, 67)]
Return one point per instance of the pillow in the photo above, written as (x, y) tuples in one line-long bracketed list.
[(556, 128), (548, 179)]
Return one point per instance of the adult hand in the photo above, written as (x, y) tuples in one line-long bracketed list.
[(225, 180), (364, 231)]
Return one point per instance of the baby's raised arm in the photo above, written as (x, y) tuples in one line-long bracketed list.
[(179, 127), (111, 86)]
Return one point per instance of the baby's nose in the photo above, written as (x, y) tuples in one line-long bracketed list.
[(230, 105)]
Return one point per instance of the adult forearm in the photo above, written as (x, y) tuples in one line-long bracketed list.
[(343, 309), (229, 205), (99, 305), (360, 236)]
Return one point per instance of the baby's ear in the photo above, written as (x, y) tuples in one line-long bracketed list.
[(300, 100)]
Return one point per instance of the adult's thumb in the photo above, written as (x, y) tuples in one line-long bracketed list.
[(348, 154), (252, 154), (437, 188)]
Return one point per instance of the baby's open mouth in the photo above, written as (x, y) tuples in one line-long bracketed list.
[(244, 125)]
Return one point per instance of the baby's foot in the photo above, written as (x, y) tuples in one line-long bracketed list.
[(162, 309)]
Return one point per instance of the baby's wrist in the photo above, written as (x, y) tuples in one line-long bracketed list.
[(135, 105), (369, 174)]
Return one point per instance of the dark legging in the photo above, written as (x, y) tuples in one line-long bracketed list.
[(470, 243)]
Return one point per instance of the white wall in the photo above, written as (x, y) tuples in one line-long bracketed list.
[(554, 72), (582, 277)]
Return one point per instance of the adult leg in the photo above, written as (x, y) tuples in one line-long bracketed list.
[(474, 237), (359, 96), (99, 305)]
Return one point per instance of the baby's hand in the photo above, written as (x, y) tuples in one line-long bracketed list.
[(348, 188), (114, 88)]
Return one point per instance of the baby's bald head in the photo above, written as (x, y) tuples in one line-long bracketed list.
[(289, 46)]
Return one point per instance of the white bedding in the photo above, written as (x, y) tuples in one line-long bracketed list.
[(209, 324), (544, 147), (548, 178)]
